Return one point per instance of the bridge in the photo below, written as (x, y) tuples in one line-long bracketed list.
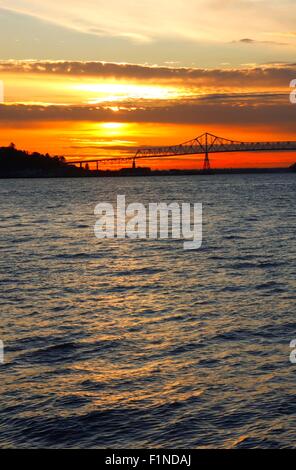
[(205, 144)]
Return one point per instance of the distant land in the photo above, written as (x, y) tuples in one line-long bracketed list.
[(16, 163)]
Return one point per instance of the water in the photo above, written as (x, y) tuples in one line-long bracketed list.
[(140, 343)]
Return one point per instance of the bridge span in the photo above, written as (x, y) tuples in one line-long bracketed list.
[(205, 144)]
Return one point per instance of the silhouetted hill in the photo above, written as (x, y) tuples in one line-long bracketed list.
[(19, 163)]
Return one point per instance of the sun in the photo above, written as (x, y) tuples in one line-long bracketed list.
[(112, 125), (113, 129)]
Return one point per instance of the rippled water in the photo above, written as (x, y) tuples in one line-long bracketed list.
[(140, 343)]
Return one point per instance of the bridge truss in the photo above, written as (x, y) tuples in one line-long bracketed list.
[(204, 144)]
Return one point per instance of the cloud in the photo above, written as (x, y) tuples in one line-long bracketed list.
[(254, 41), (147, 20), (273, 75), (243, 96), (251, 110)]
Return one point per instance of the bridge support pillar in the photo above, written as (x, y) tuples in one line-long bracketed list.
[(207, 164), (134, 164)]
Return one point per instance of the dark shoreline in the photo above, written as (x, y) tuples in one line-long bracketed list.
[(138, 172)]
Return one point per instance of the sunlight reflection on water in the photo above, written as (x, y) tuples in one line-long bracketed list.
[(140, 343)]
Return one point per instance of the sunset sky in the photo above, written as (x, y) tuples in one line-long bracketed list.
[(97, 78)]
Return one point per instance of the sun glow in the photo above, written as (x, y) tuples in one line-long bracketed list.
[(111, 129), (108, 92), (112, 125)]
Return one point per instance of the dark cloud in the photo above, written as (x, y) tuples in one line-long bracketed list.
[(268, 76), (272, 111), (255, 41)]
